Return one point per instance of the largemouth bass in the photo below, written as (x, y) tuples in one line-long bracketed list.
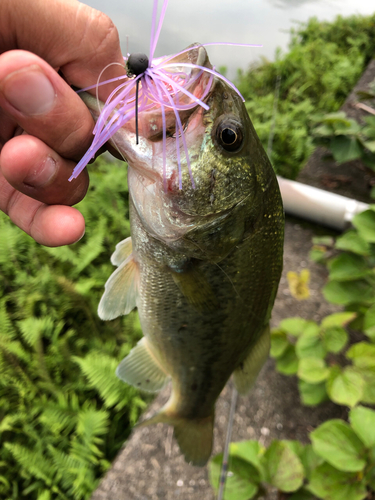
[(203, 262)]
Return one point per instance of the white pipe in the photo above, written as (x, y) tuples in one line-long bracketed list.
[(317, 205)]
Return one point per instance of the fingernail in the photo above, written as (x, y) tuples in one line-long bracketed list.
[(82, 235), (29, 91), (41, 176)]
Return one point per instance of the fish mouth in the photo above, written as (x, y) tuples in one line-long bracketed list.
[(146, 157), (192, 78)]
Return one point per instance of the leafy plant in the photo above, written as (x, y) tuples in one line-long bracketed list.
[(340, 463), (63, 412), (346, 139), (320, 69)]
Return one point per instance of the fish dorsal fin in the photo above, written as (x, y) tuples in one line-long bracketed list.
[(121, 291), (141, 369), (245, 375), (122, 252), (196, 289)]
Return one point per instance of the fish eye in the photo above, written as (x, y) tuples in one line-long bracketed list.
[(229, 135)]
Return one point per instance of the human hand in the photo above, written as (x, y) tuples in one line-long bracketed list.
[(44, 126)]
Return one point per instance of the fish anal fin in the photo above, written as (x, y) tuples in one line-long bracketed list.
[(121, 291), (245, 375), (122, 252), (194, 436), (141, 369), (196, 289)]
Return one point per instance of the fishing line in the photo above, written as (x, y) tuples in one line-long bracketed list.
[(224, 465), (136, 112), (274, 113)]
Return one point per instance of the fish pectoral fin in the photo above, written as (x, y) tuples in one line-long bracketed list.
[(122, 252), (196, 289), (141, 369), (245, 375), (121, 291), (194, 436)]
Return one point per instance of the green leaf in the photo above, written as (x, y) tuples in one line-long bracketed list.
[(365, 223), (32, 329), (347, 267), (310, 460), (335, 118), (369, 323), (326, 241), (348, 292), (284, 469), (288, 362), (345, 148), (335, 339), (312, 394), (323, 131), (317, 254), (368, 375), (242, 478), (328, 483), (370, 145), (338, 444), (279, 343), (309, 344), (312, 370), (293, 326), (338, 319), (249, 451), (362, 421), (302, 494), (351, 241), (345, 387), (362, 354)]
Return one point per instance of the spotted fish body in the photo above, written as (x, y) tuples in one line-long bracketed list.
[(203, 263)]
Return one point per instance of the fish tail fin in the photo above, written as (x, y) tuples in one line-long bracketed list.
[(194, 436)]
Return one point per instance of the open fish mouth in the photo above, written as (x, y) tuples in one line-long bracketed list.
[(152, 106), (185, 70)]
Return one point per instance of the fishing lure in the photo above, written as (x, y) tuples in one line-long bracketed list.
[(155, 85)]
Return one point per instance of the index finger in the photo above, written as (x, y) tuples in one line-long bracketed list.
[(76, 39)]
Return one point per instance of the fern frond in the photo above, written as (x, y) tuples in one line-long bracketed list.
[(33, 464), (32, 329)]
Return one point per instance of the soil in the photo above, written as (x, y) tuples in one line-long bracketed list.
[(150, 466)]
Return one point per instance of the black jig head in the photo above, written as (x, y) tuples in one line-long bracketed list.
[(136, 64)]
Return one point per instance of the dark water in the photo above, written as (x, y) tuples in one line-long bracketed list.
[(265, 22)]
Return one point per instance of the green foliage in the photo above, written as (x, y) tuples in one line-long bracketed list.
[(323, 63), (345, 138), (338, 464), (63, 413)]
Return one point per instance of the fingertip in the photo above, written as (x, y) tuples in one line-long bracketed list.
[(57, 225)]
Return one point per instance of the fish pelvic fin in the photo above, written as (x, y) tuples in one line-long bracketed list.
[(141, 369), (122, 252), (121, 289), (194, 436), (245, 375)]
